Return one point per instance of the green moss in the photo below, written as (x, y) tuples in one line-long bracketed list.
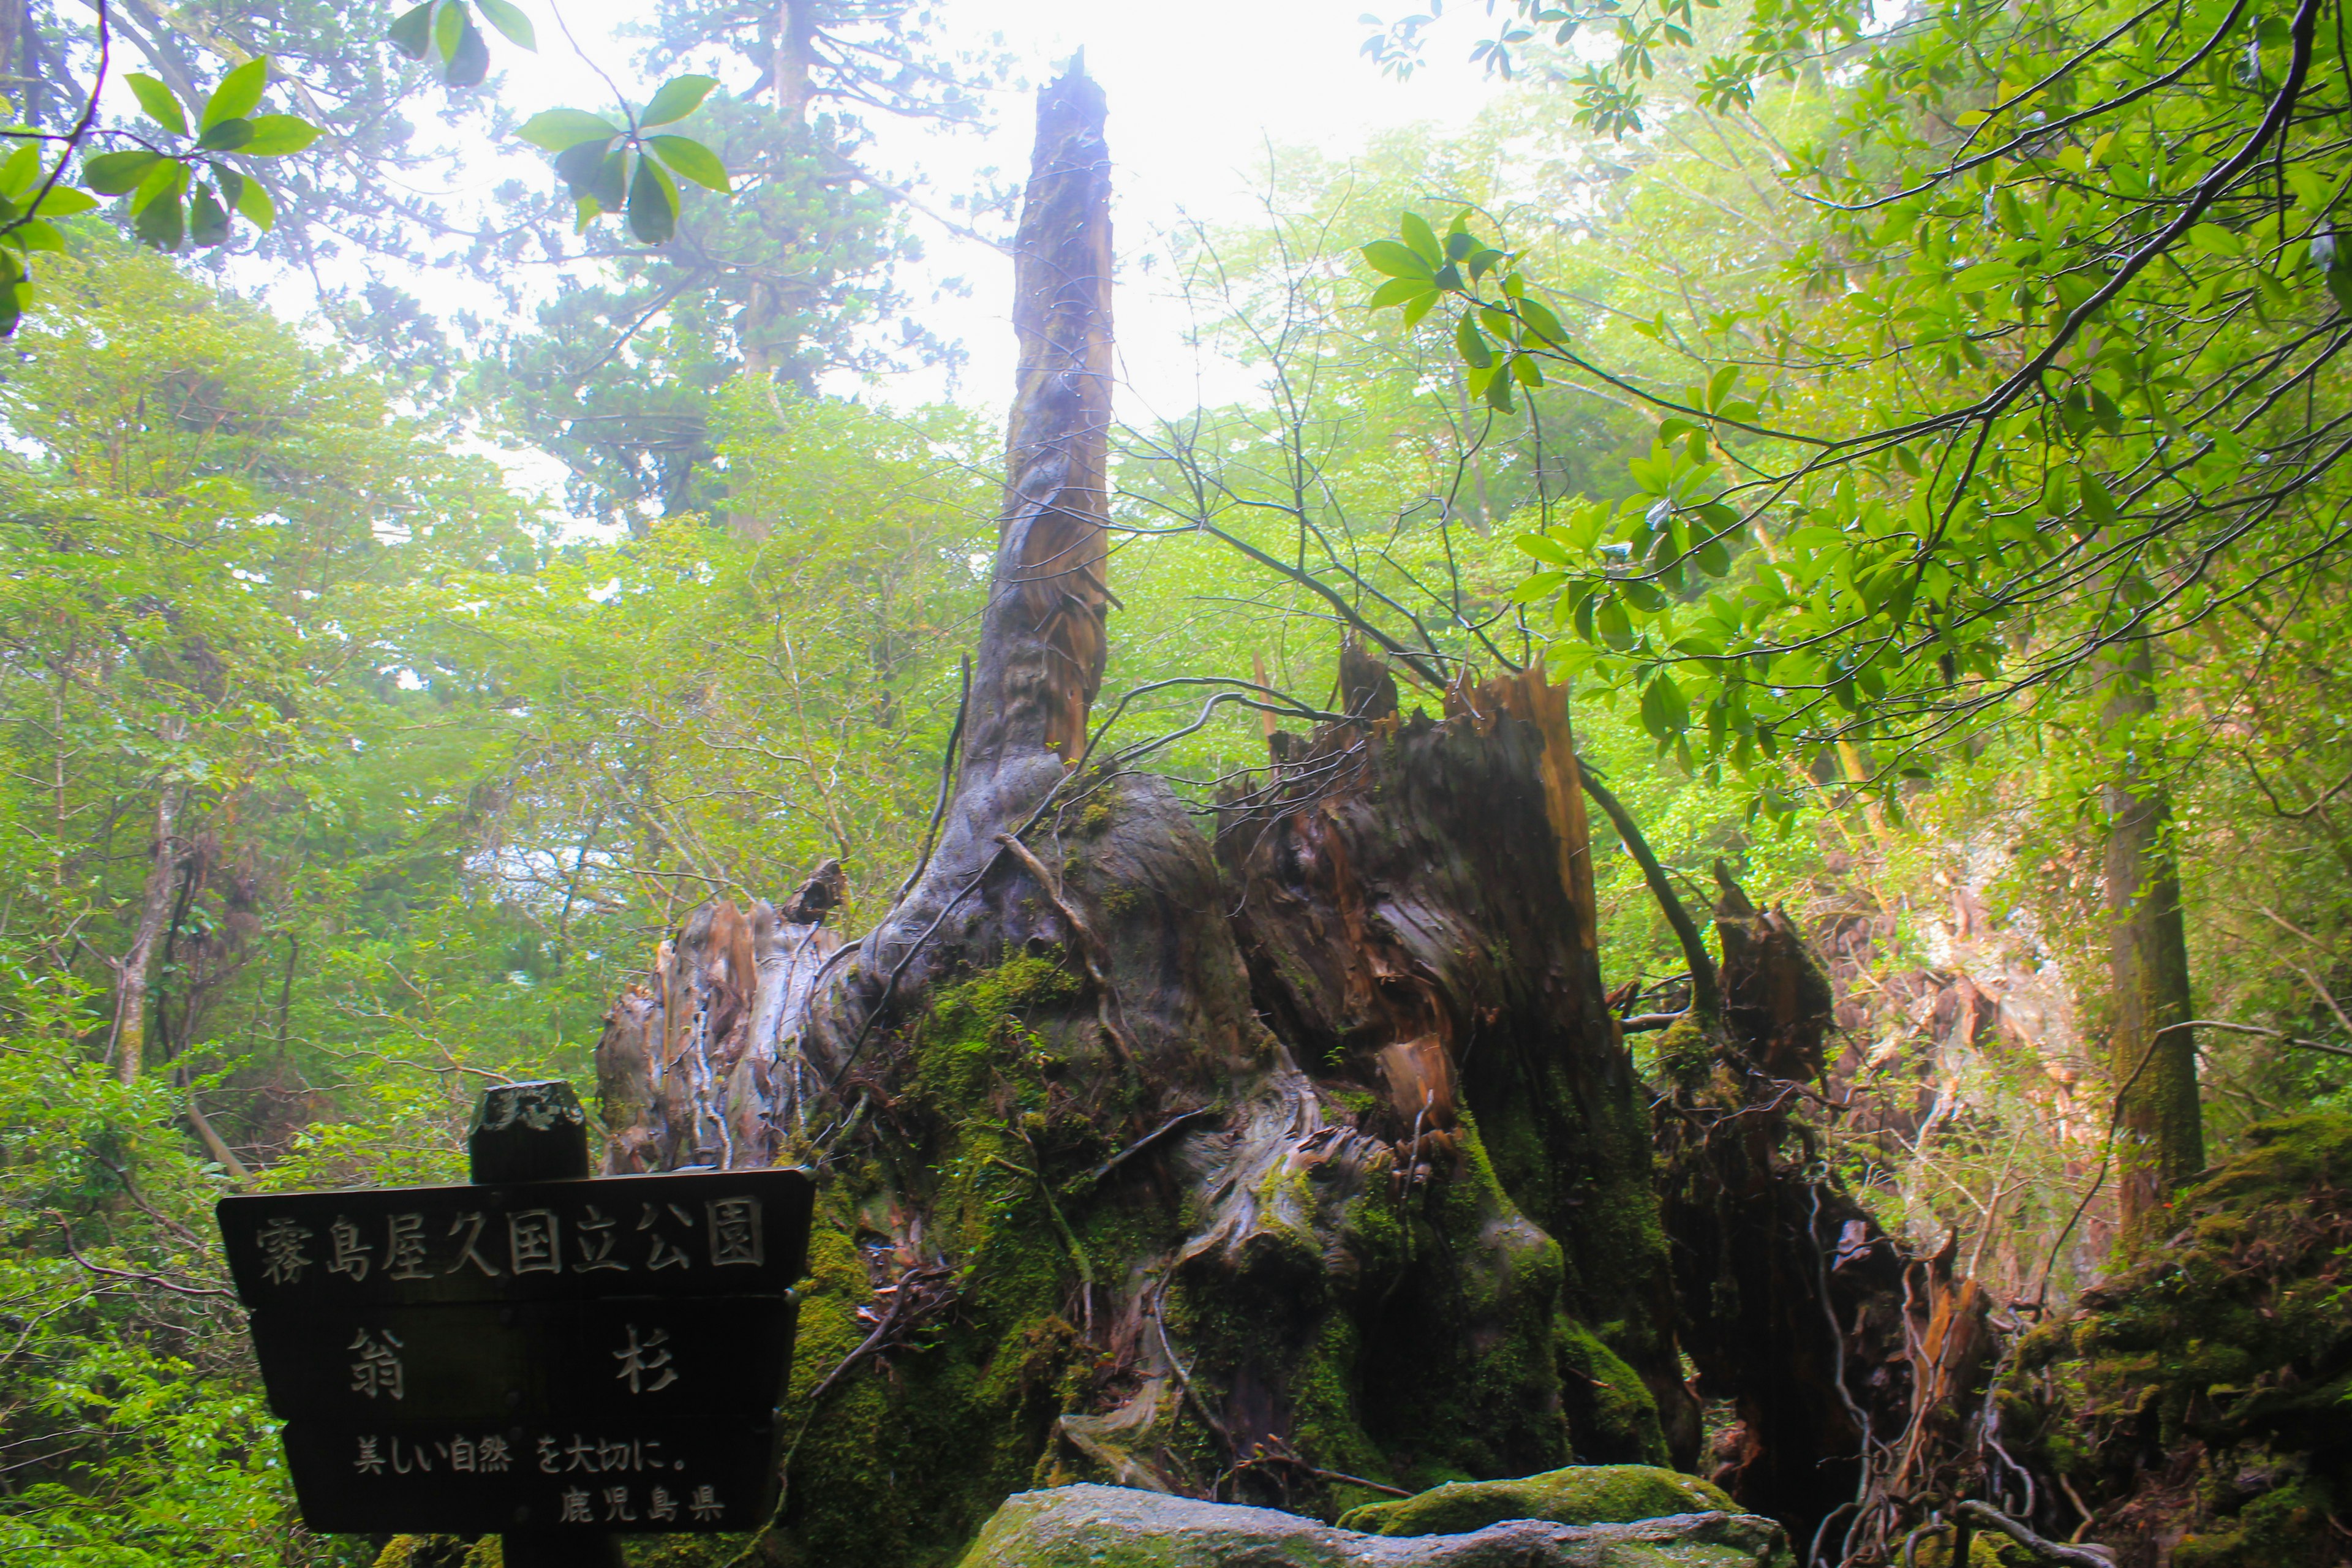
[(2287, 1524), (1614, 1414), (1580, 1494), (2207, 1383)]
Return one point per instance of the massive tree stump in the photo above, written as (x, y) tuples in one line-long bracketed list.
[(1288, 1168)]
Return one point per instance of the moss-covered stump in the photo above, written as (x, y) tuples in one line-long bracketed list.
[(2200, 1405), (1580, 1494), (1116, 1526)]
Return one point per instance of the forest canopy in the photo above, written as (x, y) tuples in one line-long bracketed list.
[(430, 607)]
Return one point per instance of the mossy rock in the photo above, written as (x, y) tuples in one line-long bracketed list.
[(1114, 1526), (1580, 1494)]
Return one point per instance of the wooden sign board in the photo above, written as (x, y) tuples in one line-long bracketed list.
[(600, 1354)]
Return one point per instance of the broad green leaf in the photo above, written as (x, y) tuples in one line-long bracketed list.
[(21, 172), (1983, 274), (2214, 240), (680, 97), (448, 29), (208, 219), (1498, 388), (160, 222), (275, 135), (1421, 238), (589, 171), (253, 201), (652, 203), (64, 201), (691, 159), (561, 130), (506, 19), (238, 94), (1543, 323), (412, 35), (1543, 548), (33, 235), (156, 99), (112, 174), (226, 136), (1615, 626), (471, 63), (1397, 291), (167, 178), (1719, 387), (1471, 343), (1387, 255)]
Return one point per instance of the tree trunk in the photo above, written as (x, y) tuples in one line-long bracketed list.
[(1284, 1168), (130, 971), (2159, 1133)]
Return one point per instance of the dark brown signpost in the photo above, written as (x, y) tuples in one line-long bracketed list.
[(538, 1354)]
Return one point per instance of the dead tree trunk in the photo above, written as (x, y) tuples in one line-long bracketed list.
[(1287, 1169), (1853, 1366)]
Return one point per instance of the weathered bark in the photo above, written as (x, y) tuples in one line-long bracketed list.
[(132, 969), (1850, 1364), (2159, 1125), (1041, 645), (1261, 1169)]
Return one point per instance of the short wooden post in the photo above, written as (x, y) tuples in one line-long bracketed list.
[(537, 1132)]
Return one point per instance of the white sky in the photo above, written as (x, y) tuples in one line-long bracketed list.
[(1196, 93)]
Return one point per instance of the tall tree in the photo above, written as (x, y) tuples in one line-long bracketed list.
[(789, 279), (2151, 1055)]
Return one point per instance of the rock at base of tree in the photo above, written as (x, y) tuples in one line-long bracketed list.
[(1097, 1527), (1580, 1494)]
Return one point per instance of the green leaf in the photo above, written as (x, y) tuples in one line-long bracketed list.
[(227, 136), (160, 222), (275, 135), (112, 174), (21, 172), (2096, 499), (253, 201), (448, 29), (692, 160), (33, 235), (592, 173), (166, 179), (506, 19), (1397, 291), (1719, 387), (2214, 240), (471, 63), (208, 219), (561, 130), (412, 35), (1615, 626), (1983, 274), (238, 94), (1422, 238), (1387, 255), (1498, 390), (1543, 548), (680, 97), (652, 203), (1418, 306), (1471, 343), (64, 201), (1543, 323), (156, 99)]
